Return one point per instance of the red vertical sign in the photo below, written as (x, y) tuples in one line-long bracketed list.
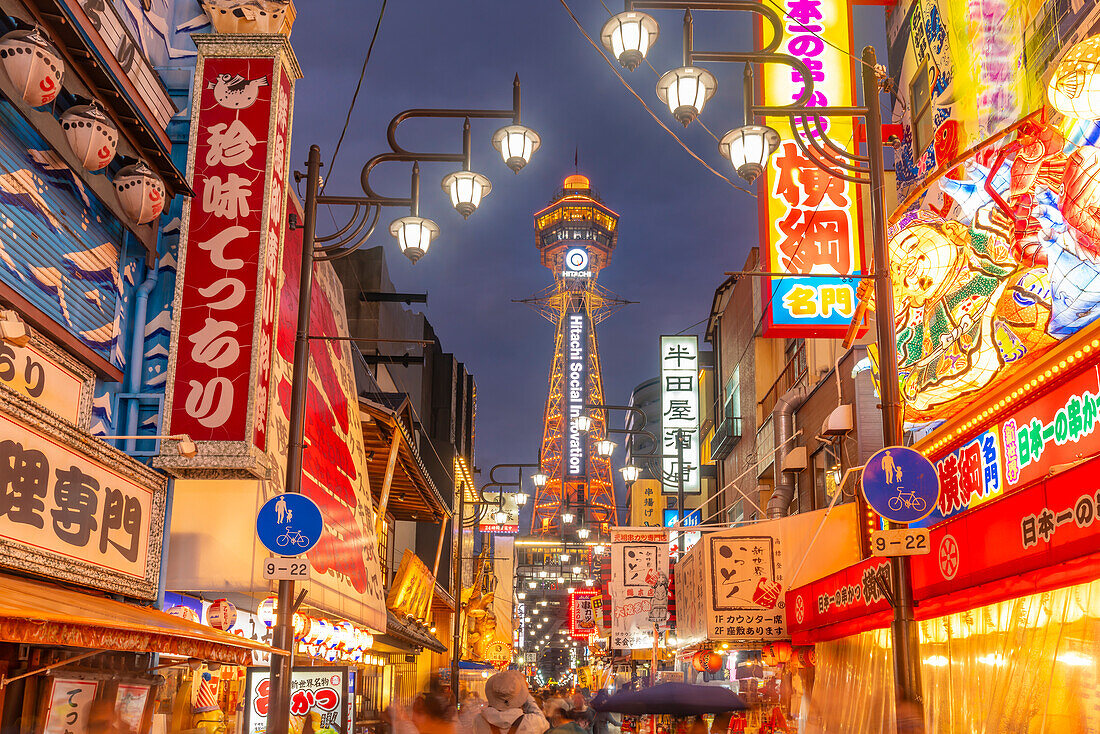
[(226, 298)]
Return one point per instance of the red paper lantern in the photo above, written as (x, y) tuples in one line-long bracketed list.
[(706, 661)]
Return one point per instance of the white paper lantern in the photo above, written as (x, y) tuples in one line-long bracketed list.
[(140, 192), (91, 135), (184, 612), (221, 615), (267, 611), (33, 64)]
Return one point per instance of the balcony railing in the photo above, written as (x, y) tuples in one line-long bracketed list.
[(792, 372), (726, 434)]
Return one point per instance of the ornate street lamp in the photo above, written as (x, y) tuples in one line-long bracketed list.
[(414, 235), (567, 517), (583, 533), (516, 143), (748, 148), (630, 473), (539, 479), (605, 447), (520, 499), (583, 423), (500, 516), (466, 190), (686, 91), (629, 36)]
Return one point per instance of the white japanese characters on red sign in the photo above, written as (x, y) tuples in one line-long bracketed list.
[(229, 257)]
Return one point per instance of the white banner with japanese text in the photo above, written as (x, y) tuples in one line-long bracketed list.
[(638, 586)]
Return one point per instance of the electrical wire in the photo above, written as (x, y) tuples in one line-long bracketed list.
[(629, 88), (355, 95)]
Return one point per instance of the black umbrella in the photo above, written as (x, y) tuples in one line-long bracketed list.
[(674, 699)]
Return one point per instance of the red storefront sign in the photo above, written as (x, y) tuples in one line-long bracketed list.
[(226, 299), (1035, 539), (1056, 429), (582, 614)]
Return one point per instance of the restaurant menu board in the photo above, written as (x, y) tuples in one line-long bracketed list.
[(318, 697), (70, 704)]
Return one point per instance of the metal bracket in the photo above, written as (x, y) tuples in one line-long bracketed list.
[(298, 602), (4, 680), (884, 587)]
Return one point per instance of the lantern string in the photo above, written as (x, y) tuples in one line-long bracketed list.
[(626, 84), (355, 95)]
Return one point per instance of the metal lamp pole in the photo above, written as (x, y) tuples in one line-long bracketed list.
[(866, 169), (340, 244)]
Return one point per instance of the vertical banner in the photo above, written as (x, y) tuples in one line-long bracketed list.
[(230, 248), (575, 347), (680, 411), (810, 221), (582, 614), (638, 586), (645, 503)]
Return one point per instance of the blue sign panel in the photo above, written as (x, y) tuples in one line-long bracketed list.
[(690, 520), (901, 485), (289, 524)]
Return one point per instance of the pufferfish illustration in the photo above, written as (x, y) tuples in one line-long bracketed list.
[(1075, 83), (236, 92)]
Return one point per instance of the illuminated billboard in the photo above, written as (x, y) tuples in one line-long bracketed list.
[(810, 220), (680, 412)]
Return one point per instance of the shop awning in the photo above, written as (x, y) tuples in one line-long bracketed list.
[(40, 613)]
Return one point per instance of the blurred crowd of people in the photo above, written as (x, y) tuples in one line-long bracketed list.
[(509, 707)]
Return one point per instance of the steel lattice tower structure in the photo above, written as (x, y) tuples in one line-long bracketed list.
[(576, 235)]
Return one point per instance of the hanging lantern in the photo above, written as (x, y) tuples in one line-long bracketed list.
[(140, 192), (345, 638), (184, 612), (33, 64), (302, 624), (706, 661), (807, 656), (91, 135), (221, 615), (318, 632), (1074, 88), (365, 640), (267, 611)]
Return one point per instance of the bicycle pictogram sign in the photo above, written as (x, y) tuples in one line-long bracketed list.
[(289, 524), (901, 485)]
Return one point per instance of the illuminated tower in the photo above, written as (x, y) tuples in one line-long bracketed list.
[(576, 235)]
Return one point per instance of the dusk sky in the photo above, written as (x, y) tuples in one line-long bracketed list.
[(681, 226)]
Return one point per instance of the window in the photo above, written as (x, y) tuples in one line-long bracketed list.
[(731, 407), (920, 103)]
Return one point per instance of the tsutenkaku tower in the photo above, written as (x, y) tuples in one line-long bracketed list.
[(575, 235)]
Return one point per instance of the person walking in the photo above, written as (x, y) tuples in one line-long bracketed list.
[(509, 707)]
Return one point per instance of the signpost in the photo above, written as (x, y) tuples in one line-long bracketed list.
[(900, 542), (278, 568), (289, 524), (901, 485)]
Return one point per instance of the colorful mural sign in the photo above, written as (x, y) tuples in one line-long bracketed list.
[(810, 220), (638, 586), (1055, 430), (965, 71), (993, 267), (582, 614)]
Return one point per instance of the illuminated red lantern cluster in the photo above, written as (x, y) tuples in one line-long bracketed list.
[(706, 661), (776, 653)]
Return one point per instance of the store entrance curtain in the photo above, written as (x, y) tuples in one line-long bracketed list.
[(1027, 666)]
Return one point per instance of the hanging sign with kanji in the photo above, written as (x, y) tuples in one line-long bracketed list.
[(638, 586), (680, 413), (73, 508), (810, 220), (219, 384)]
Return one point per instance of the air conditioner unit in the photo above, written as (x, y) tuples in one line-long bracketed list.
[(795, 460), (839, 421)]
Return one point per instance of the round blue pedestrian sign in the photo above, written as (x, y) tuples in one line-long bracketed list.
[(901, 485), (289, 524)]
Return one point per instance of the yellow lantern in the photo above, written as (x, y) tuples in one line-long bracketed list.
[(1074, 88)]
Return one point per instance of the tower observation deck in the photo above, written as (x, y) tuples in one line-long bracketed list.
[(576, 236)]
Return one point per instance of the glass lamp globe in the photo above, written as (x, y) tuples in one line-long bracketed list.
[(567, 517), (583, 423), (605, 447), (686, 91), (466, 190), (629, 36), (501, 517), (748, 148), (630, 473), (414, 235), (516, 144), (520, 499), (539, 479), (583, 533)]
